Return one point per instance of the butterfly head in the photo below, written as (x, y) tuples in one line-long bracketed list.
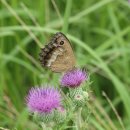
[(59, 39)]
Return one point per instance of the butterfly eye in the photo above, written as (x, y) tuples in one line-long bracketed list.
[(61, 42)]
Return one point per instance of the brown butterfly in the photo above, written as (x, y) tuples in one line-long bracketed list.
[(58, 54)]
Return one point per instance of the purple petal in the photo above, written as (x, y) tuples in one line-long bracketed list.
[(43, 100), (73, 78)]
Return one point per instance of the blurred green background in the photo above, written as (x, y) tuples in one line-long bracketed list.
[(99, 31)]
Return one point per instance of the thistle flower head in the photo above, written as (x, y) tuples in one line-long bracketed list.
[(60, 114), (43, 100), (79, 100), (73, 78), (78, 97)]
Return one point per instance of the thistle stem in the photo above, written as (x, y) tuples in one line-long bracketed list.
[(78, 119)]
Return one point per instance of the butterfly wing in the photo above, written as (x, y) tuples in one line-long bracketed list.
[(58, 54)]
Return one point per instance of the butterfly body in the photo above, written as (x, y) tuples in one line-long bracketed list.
[(58, 54)]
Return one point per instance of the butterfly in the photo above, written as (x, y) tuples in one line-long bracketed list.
[(58, 55)]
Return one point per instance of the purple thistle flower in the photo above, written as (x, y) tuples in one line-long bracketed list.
[(61, 109), (73, 78), (43, 100)]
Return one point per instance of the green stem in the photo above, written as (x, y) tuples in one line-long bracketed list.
[(78, 119)]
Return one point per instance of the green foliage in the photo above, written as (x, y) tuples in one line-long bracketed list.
[(99, 31)]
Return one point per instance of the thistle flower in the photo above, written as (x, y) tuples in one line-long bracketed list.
[(60, 114), (79, 100), (43, 117), (78, 96), (73, 78), (75, 91), (43, 100)]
